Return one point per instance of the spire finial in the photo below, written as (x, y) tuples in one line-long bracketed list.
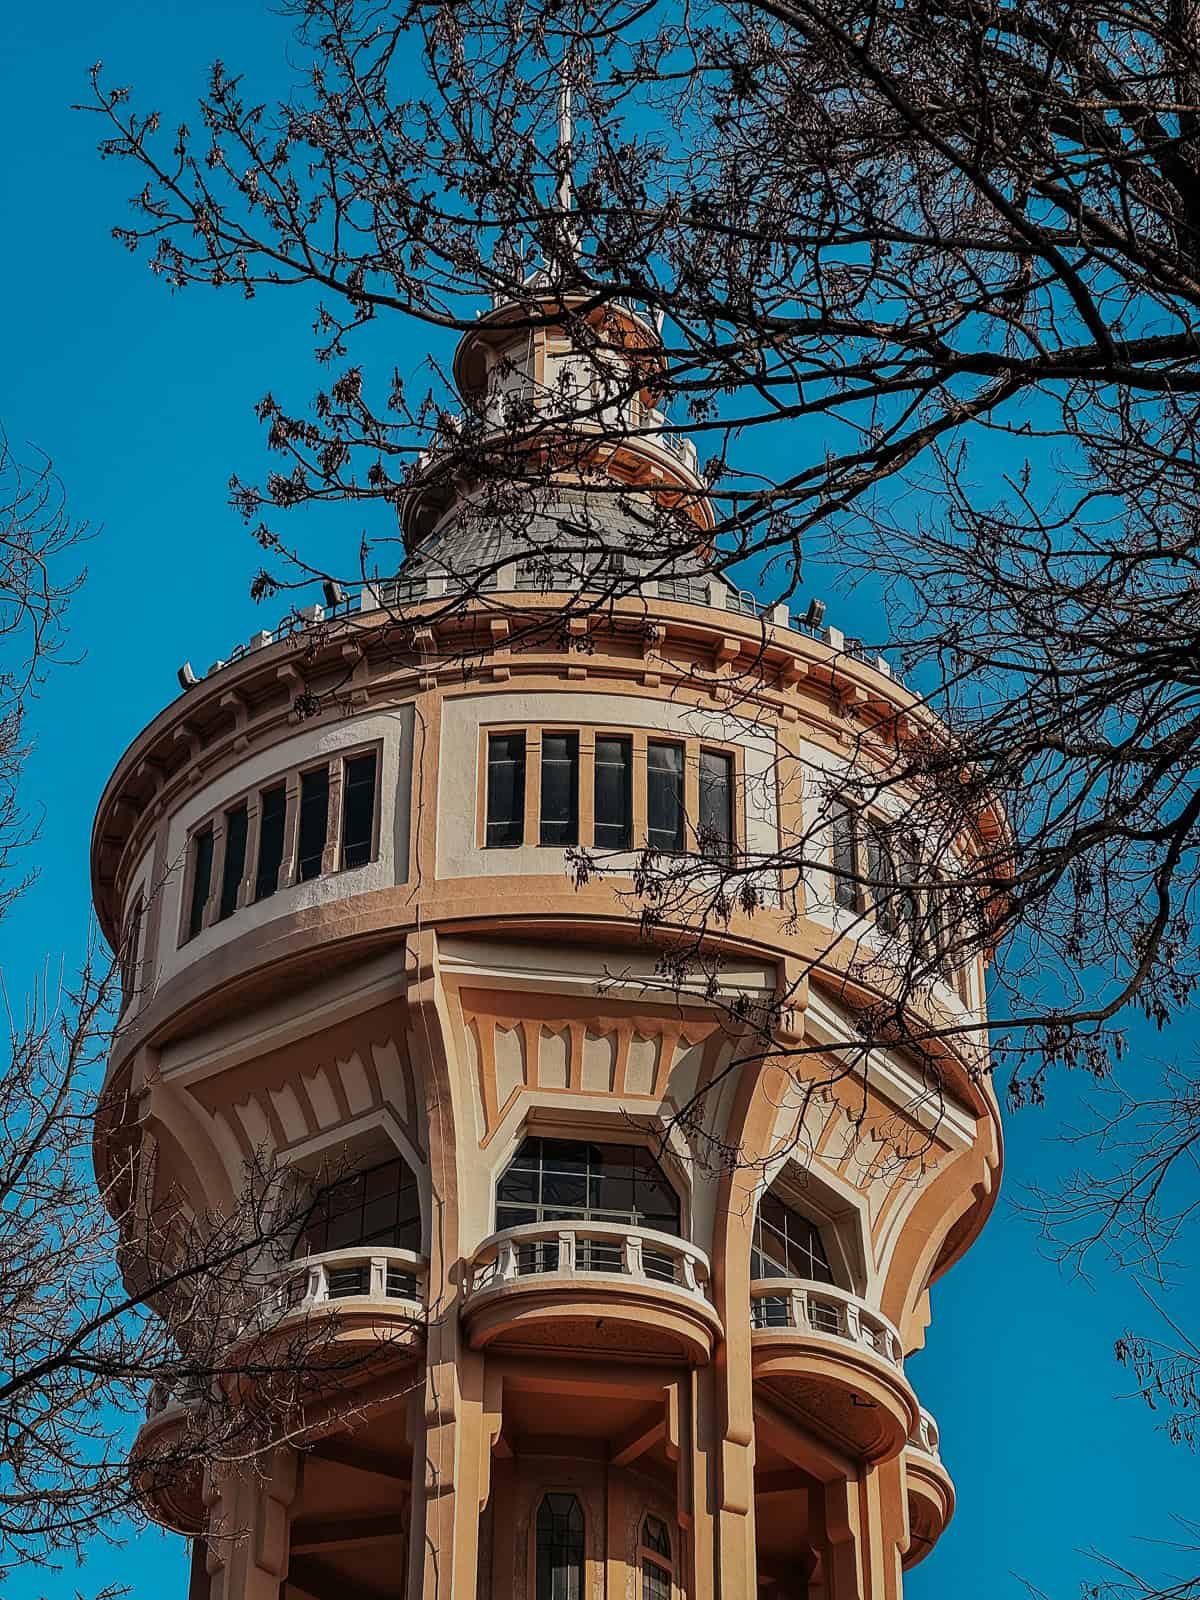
[(564, 135)]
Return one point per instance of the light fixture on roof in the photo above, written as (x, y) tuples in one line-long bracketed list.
[(815, 615), (187, 678), (333, 592)]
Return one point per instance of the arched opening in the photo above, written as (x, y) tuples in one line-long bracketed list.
[(560, 1551)]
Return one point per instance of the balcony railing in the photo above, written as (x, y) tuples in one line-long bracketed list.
[(819, 1308), (395, 1277), (565, 1250), (926, 1436)]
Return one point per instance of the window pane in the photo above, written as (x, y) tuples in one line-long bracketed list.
[(553, 1180), (376, 1207), (787, 1245), (882, 872), (559, 1548), (273, 810), (202, 860), (560, 788), (314, 822), (614, 790), (656, 1581), (845, 858), (664, 796), (716, 805), (655, 1536), (358, 811), (506, 790), (235, 860)]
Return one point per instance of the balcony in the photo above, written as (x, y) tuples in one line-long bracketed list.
[(930, 1489), (824, 1355), (368, 1292), (584, 1286), (166, 1461)]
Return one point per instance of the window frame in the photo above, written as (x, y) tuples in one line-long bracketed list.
[(639, 739), (542, 1495), (289, 779), (649, 1554)]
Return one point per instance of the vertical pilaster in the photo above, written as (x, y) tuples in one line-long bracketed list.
[(249, 1527)]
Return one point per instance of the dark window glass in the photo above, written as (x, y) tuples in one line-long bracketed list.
[(234, 865), (559, 1548), (881, 870), (272, 813), (614, 794), (655, 1536), (358, 811), (560, 788), (202, 861), (506, 790), (656, 1581), (715, 833), (314, 822), (129, 950), (787, 1245), (563, 1180), (380, 1206), (845, 858), (664, 796), (908, 901)]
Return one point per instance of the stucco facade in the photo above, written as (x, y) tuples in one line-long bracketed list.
[(691, 1409)]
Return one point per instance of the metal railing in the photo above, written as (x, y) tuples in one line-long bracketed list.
[(368, 1272), (819, 1308), (567, 1250)]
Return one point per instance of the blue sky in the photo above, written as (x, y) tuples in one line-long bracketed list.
[(145, 401)]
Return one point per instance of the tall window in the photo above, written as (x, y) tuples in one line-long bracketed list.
[(846, 890), (664, 796), (131, 948), (715, 832), (234, 864), (379, 1206), (787, 1245), (560, 789), (505, 790), (272, 804), (314, 822), (560, 1551), (558, 1180), (202, 862), (656, 1559), (881, 870), (614, 793), (358, 810)]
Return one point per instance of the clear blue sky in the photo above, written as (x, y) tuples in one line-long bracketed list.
[(145, 401)]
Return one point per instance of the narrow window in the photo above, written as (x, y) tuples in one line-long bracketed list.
[(614, 794), (234, 865), (505, 790), (656, 1577), (358, 810), (272, 814), (314, 822), (881, 871), (559, 1548), (845, 858), (130, 949), (202, 861), (560, 788), (715, 833), (664, 796)]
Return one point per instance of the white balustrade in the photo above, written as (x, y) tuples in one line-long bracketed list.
[(926, 1436), (371, 1272), (561, 1250), (820, 1308)]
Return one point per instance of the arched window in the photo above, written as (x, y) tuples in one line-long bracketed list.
[(379, 1206), (567, 1180), (656, 1559), (559, 1548), (787, 1245)]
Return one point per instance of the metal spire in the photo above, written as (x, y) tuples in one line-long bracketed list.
[(564, 137)]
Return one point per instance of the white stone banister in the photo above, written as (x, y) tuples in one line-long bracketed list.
[(371, 1272), (586, 1249), (824, 1310), (926, 1436)]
